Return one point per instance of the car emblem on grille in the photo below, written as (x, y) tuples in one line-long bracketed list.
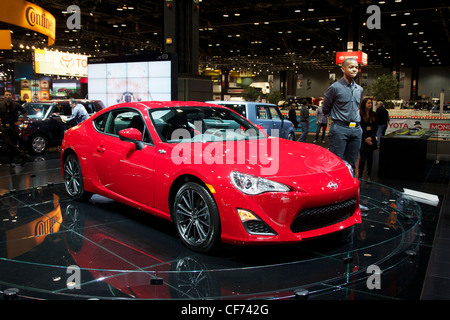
[(332, 185)]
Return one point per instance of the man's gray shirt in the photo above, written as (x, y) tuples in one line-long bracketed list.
[(321, 118), (79, 113), (341, 101)]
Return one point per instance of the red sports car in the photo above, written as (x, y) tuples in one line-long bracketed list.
[(216, 175)]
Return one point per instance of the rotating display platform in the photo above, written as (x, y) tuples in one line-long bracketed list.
[(52, 247)]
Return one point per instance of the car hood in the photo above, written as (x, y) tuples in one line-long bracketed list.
[(274, 158), (33, 120)]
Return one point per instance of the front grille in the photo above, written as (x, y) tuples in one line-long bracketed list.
[(315, 218)]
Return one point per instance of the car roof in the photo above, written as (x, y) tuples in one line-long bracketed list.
[(63, 101), (164, 104), (240, 102)]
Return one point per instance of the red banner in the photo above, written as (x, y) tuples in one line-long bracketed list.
[(360, 57)]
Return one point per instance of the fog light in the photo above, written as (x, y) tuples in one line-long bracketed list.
[(246, 215)]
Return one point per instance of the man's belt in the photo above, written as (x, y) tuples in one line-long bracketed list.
[(351, 124)]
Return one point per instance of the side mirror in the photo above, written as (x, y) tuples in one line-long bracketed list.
[(132, 135)]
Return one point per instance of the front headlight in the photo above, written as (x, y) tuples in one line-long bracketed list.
[(350, 168), (252, 185)]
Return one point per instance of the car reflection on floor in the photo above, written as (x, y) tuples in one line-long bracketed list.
[(124, 253)]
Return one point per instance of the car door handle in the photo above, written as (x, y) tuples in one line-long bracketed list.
[(101, 149)]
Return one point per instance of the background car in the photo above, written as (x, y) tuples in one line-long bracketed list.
[(437, 108), (264, 114), (298, 103), (43, 127), (211, 172)]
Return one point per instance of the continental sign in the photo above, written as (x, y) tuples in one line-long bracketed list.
[(30, 16)]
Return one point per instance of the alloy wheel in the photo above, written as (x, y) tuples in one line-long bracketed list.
[(196, 217), (73, 178), (38, 144)]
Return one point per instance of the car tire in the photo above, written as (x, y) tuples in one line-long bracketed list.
[(73, 179), (38, 144), (291, 136), (196, 218)]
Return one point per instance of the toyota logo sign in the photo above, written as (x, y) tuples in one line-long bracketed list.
[(332, 185), (66, 61)]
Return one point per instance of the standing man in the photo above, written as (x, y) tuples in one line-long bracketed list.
[(9, 126), (292, 115), (341, 102), (382, 116), (304, 120), (322, 123)]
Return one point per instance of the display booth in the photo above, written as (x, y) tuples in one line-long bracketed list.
[(404, 153)]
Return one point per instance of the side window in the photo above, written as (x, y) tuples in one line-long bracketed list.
[(146, 137), (58, 109), (127, 118), (89, 108), (120, 120), (261, 112), (275, 113), (64, 109), (100, 122)]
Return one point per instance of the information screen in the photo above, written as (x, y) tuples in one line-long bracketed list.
[(132, 78)]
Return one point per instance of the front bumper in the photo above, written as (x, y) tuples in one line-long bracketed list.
[(287, 216)]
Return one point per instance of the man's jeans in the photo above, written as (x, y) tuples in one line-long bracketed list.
[(305, 130), (345, 142), (381, 131), (322, 126)]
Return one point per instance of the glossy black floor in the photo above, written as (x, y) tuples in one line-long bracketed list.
[(54, 248)]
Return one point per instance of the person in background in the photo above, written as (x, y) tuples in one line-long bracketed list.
[(304, 120), (9, 127), (322, 122), (382, 116), (292, 115), (369, 137), (79, 114)]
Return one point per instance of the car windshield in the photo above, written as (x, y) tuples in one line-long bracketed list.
[(202, 124), (37, 110)]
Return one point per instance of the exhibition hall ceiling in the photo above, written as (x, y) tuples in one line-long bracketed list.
[(266, 35)]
